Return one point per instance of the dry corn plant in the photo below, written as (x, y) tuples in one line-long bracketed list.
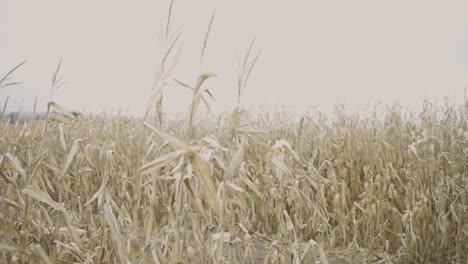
[(169, 38), (245, 68), (7, 81), (199, 94), (61, 115)]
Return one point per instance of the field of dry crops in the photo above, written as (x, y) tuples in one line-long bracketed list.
[(387, 186), (374, 188)]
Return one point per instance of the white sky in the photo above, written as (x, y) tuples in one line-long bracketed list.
[(313, 52)]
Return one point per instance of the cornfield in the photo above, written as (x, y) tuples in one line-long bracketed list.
[(382, 186), (389, 188)]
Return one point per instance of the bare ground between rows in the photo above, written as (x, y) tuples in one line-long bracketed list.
[(261, 250)]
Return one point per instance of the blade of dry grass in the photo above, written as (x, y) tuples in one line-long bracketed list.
[(3, 83), (202, 170), (206, 36), (71, 155), (161, 161)]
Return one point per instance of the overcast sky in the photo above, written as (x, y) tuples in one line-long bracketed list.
[(313, 52)]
